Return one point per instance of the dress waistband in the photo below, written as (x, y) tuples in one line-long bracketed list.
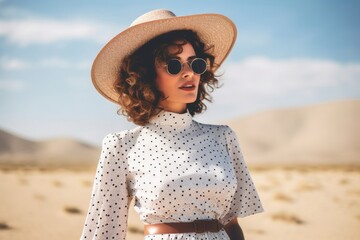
[(197, 226)]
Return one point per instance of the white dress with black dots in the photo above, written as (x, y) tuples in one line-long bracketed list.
[(178, 170)]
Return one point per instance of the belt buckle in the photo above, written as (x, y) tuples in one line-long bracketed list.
[(198, 224)]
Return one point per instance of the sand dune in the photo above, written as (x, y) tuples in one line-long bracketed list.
[(61, 152), (328, 132), (11, 143)]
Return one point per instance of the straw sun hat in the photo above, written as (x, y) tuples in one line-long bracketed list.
[(213, 29)]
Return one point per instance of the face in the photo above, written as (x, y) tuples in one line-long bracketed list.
[(173, 86)]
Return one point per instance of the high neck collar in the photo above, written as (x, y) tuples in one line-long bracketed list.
[(172, 119)]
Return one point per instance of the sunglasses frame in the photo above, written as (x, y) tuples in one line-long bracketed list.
[(189, 62)]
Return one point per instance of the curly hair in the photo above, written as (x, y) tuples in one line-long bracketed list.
[(138, 96)]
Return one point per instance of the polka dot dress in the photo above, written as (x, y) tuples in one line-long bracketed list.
[(177, 170)]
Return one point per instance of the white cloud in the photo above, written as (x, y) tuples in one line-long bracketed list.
[(11, 85), (268, 77), (54, 62), (10, 64), (28, 31), (64, 63), (13, 64)]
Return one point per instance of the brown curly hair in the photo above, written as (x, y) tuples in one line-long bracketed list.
[(138, 96)]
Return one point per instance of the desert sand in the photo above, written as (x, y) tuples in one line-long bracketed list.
[(300, 204)]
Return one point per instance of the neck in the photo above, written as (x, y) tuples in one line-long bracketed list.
[(181, 108)]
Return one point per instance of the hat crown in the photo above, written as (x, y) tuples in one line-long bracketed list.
[(153, 15)]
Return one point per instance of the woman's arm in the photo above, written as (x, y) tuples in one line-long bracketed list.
[(109, 204), (234, 230)]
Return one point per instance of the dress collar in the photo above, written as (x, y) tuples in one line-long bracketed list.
[(172, 119)]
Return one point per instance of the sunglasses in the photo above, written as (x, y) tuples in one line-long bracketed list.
[(197, 65)]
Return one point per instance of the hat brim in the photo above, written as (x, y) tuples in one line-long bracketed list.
[(213, 29)]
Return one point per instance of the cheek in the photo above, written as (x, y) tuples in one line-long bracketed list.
[(164, 83), (160, 81)]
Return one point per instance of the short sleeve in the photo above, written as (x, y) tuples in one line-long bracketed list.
[(108, 211), (246, 200)]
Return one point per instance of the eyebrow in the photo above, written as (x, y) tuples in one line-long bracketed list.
[(189, 58)]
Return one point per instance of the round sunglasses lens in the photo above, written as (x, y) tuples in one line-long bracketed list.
[(199, 66), (174, 66)]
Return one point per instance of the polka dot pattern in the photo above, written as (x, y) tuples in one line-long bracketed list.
[(177, 170)]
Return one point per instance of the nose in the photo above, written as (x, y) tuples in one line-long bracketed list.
[(187, 71)]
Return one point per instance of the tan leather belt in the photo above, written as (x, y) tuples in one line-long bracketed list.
[(197, 226)]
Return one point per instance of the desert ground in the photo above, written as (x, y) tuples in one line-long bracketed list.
[(313, 203)]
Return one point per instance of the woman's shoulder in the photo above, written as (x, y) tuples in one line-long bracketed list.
[(123, 135), (221, 129), (214, 127)]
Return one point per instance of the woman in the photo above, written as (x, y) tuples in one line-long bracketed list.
[(189, 179)]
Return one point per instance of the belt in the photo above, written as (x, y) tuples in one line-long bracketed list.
[(197, 226)]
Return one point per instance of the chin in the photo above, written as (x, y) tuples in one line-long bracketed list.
[(191, 101), (191, 98)]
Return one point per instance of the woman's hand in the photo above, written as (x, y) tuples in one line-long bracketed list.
[(234, 230)]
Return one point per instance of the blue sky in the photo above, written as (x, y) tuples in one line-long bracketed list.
[(288, 53)]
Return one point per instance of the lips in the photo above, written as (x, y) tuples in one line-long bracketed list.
[(187, 85)]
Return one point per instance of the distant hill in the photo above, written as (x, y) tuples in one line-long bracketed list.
[(54, 153), (321, 134)]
